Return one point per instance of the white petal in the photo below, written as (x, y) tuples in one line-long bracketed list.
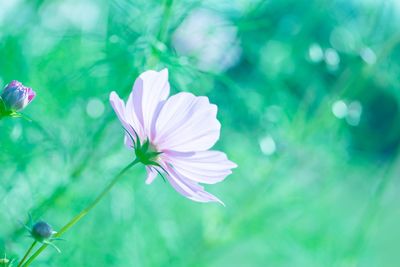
[(132, 118), (151, 175), (128, 141), (148, 94), (188, 188), (187, 123), (206, 167), (119, 108)]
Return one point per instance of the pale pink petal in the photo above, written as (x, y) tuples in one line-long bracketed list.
[(208, 167), (148, 94), (128, 141), (187, 123), (31, 94), (151, 174), (119, 108), (188, 188), (132, 118)]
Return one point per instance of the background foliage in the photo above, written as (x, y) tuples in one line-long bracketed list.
[(308, 96)]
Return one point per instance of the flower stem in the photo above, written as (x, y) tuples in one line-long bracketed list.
[(161, 35), (164, 21), (84, 212), (27, 253)]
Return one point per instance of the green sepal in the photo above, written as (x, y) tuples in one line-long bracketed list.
[(137, 145), (4, 112), (153, 154), (146, 154), (14, 114), (145, 146)]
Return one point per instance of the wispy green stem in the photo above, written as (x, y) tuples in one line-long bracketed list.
[(164, 21), (27, 253), (84, 212), (162, 33)]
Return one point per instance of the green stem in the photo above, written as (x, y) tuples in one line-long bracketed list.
[(164, 21), (162, 34), (84, 212), (27, 253)]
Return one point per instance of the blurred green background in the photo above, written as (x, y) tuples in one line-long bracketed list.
[(308, 97)]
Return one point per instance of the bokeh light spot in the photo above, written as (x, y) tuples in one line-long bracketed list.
[(354, 113), (339, 109), (268, 145), (95, 108), (368, 55), (332, 57), (315, 53)]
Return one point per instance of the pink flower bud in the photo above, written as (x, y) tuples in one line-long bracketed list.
[(16, 96)]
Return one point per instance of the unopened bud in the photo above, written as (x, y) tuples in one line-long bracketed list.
[(16, 97), (42, 231)]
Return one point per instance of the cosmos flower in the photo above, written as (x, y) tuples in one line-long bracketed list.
[(16, 97), (172, 135)]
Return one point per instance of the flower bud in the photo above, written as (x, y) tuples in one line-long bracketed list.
[(16, 96), (4, 261), (42, 231)]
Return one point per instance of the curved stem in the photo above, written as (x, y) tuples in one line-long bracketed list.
[(27, 253), (84, 212)]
